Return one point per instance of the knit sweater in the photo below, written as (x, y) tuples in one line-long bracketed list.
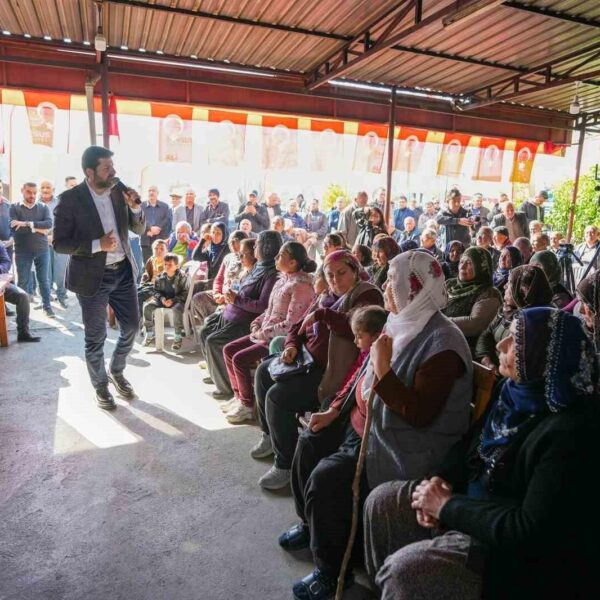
[(25, 239), (290, 297)]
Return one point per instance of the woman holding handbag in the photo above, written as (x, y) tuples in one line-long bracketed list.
[(327, 337)]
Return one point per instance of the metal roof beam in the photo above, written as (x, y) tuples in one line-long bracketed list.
[(548, 12), (228, 19)]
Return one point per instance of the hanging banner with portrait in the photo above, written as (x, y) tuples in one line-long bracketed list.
[(327, 144), (279, 142), (489, 161), (227, 138), (42, 114), (453, 154), (174, 132), (523, 160), (370, 148), (408, 149)]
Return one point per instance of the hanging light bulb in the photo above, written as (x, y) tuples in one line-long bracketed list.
[(575, 107)]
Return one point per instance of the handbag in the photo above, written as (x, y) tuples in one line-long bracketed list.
[(280, 371)]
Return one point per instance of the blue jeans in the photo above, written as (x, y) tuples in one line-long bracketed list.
[(58, 268), (41, 261), (118, 290), (136, 250)]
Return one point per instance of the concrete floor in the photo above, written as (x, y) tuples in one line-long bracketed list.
[(156, 500)]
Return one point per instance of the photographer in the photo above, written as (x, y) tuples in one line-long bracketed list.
[(456, 220), (370, 222), (255, 213)]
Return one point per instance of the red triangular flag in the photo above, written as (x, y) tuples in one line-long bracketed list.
[(113, 124)]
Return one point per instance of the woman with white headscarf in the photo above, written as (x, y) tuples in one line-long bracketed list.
[(421, 371)]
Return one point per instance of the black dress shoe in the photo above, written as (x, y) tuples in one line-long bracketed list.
[(104, 398), (123, 386), (25, 336), (208, 380), (222, 395), (296, 538)]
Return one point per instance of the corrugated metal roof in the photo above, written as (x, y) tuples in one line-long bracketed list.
[(505, 35)]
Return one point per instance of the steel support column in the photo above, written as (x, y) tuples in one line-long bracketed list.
[(105, 101), (390, 158), (576, 182)]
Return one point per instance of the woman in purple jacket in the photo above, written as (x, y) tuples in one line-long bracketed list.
[(242, 308)]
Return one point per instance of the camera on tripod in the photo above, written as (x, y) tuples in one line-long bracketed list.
[(565, 250)]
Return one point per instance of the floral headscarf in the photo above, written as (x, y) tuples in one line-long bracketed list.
[(556, 368), (418, 287)]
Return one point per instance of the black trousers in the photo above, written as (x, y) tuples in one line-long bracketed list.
[(20, 298), (277, 404), (322, 474), (214, 336)]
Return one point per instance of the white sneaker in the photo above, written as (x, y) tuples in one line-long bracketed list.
[(263, 447), (228, 406), (239, 414), (275, 478), (202, 364)]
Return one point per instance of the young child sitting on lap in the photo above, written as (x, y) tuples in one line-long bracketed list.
[(169, 291)]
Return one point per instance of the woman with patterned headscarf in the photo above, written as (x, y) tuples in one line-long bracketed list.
[(509, 258), (472, 299), (421, 371), (548, 262), (242, 307), (588, 293), (326, 335), (505, 514), (384, 249), (527, 287)]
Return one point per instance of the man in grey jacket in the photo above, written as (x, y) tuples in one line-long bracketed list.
[(347, 224)]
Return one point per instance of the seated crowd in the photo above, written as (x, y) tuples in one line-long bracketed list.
[(356, 321), (448, 507)]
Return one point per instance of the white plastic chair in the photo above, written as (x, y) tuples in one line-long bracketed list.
[(191, 268)]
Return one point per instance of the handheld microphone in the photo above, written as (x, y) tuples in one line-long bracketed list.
[(119, 185)]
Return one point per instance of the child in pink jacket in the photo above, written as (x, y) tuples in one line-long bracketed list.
[(290, 297)]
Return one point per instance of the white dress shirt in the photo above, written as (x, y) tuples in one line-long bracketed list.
[(109, 223)]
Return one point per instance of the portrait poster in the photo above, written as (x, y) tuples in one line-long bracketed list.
[(453, 154), (227, 138), (370, 148), (408, 149), (523, 160), (42, 118), (489, 160), (279, 142), (175, 139), (327, 144)]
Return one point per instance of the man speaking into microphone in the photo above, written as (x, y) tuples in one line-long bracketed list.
[(91, 223)]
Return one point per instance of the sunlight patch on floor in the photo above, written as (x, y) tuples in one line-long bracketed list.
[(76, 408)]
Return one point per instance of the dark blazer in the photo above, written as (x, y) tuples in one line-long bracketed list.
[(530, 210), (539, 541), (77, 224), (521, 223)]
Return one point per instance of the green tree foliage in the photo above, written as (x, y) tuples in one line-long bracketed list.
[(587, 210), (332, 192)]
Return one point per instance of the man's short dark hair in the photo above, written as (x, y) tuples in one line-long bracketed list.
[(369, 319), (171, 257), (92, 155), (30, 184), (501, 230), (214, 191), (69, 177)]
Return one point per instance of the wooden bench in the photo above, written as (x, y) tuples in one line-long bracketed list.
[(484, 379), (5, 279)]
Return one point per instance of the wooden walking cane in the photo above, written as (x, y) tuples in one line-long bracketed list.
[(356, 491)]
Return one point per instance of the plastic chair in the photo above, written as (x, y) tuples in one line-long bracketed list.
[(191, 268)]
